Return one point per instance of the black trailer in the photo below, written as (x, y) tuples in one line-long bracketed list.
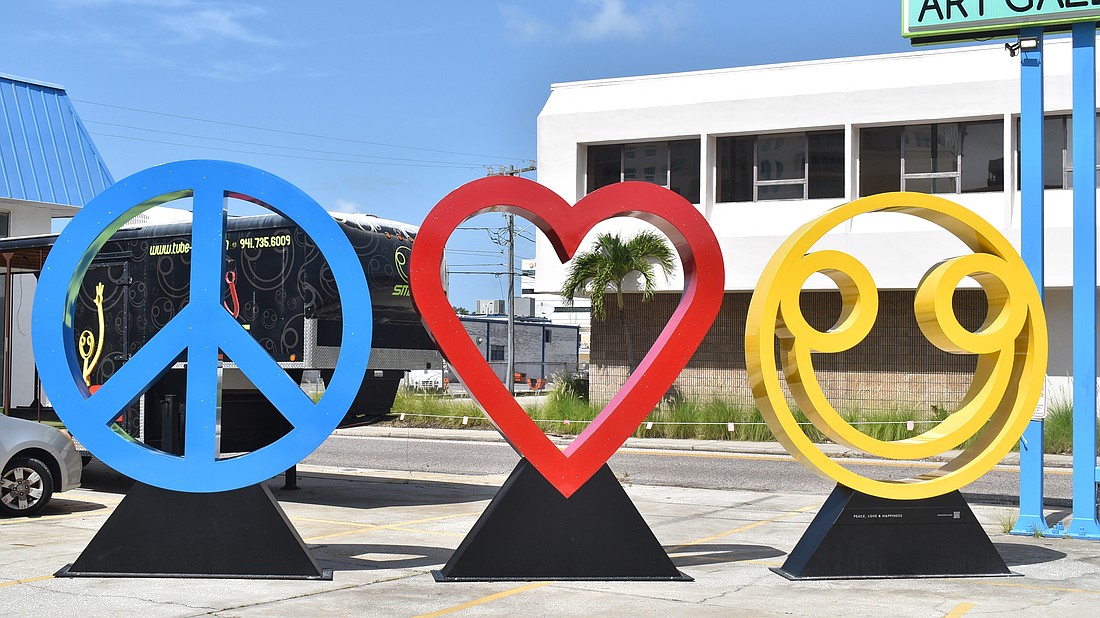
[(278, 287)]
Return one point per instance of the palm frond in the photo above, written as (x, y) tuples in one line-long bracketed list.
[(607, 264)]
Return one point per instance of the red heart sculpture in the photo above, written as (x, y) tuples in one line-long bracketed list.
[(565, 227)]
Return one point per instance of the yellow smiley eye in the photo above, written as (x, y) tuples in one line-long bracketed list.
[(1011, 347)]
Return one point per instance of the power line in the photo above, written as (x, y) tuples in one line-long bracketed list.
[(233, 141), (296, 133), (472, 252), (287, 156)]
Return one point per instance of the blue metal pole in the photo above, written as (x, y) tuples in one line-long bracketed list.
[(1084, 524), (1032, 248)]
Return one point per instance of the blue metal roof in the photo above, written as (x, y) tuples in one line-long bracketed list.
[(46, 154)]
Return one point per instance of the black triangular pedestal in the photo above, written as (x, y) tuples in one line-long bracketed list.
[(231, 534), (531, 532), (858, 536)]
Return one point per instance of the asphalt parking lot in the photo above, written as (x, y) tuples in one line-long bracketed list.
[(382, 532)]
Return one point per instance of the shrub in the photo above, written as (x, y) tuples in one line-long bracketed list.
[(707, 420)]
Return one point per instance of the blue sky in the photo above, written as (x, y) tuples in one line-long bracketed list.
[(385, 107)]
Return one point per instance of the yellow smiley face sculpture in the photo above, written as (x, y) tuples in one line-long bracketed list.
[(1011, 346)]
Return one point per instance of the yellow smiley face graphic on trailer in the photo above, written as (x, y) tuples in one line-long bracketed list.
[(1011, 346)]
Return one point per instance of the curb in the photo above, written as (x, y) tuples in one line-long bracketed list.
[(667, 444)]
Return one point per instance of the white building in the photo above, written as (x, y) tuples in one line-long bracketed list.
[(489, 307), (761, 150)]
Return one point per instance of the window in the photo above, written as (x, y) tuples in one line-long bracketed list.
[(546, 335), (5, 224), (496, 353), (570, 309), (948, 157), (674, 165), (1057, 152), (780, 167)]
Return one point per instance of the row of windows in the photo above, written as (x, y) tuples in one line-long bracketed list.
[(674, 165), (946, 157), (780, 167), (950, 157), (1058, 152), (497, 352)]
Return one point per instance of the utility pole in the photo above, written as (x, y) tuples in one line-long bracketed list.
[(510, 370)]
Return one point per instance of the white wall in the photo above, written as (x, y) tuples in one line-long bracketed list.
[(925, 86), (849, 93)]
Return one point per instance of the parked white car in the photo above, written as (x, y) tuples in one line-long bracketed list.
[(37, 461)]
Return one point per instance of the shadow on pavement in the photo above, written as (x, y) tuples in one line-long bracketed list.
[(1058, 516), (330, 489), (696, 555), (60, 505), (98, 476), (359, 557), (363, 557), (370, 493), (1019, 554)]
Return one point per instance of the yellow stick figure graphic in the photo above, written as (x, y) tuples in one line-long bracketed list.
[(88, 341)]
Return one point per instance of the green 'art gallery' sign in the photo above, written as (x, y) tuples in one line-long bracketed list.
[(951, 18)]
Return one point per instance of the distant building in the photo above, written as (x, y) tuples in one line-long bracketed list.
[(524, 307), (490, 307), (554, 308), (543, 349)]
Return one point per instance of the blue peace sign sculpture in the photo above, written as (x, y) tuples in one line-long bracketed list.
[(202, 327)]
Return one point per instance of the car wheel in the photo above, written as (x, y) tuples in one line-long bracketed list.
[(25, 486)]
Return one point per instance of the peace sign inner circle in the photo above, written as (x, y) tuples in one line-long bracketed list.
[(203, 328)]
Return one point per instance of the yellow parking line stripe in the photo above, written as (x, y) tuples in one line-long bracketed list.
[(26, 581), (484, 600), (743, 528), (45, 518), (321, 537), (366, 525), (335, 521), (418, 531), (1047, 588), (360, 527), (960, 610), (767, 563)]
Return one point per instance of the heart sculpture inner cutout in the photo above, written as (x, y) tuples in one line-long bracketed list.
[(566, 226)]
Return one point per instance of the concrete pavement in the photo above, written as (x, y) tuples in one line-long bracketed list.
[(382, 532)]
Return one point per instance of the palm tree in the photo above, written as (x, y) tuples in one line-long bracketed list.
[(606, 266)]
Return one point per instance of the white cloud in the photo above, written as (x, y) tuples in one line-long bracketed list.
[(599, 20), (522, 25), (161, 4), (613, 19), (215, 23)]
